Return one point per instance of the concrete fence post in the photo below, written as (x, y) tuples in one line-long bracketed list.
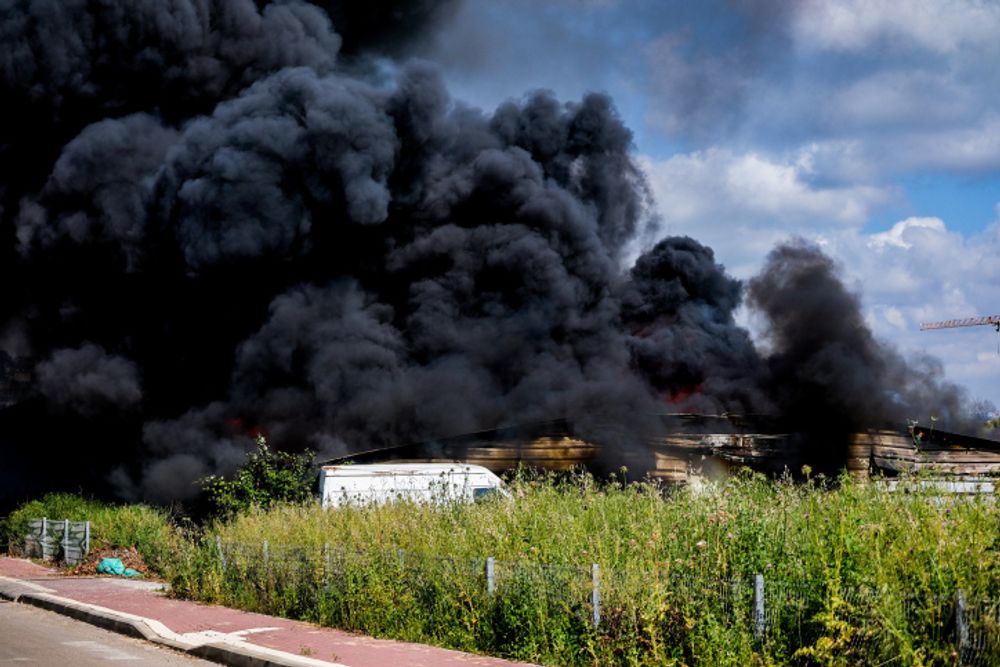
[(65, 540), (758, 606), (961, 625), (491, 583), (218, 549), (266, 551), (86, 537), (595, 594), (43, 539)]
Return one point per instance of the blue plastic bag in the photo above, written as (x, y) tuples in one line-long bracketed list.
[(116, 567), (111, 566)]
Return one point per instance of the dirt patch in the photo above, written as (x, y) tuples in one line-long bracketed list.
[(128, 555)]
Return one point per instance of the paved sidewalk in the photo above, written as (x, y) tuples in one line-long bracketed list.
[(140, 609)]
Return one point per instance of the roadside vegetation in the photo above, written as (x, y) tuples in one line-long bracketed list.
[(853, 573), (150, 530)]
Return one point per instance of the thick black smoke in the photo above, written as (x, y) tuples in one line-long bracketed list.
[(679, 309), (89, 381), (827, 373), (212, 228)]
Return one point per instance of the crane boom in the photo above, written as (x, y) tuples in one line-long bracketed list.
[(993, 320)]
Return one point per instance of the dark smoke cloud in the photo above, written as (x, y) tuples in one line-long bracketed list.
[(679, 307), (388, 27), (89, 381), (295, 150), (68, 64), (482, 293), (828, 372), (100, 188), (211, 229)]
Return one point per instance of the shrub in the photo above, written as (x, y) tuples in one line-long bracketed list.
[(268, 477)]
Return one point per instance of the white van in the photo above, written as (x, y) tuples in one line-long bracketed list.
[(417, 482)]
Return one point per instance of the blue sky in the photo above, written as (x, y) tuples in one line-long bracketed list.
[(871, 127)]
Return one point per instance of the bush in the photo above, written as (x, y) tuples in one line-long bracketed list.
[(268, 477)]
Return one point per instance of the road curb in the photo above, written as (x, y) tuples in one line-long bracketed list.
[(238, 655)]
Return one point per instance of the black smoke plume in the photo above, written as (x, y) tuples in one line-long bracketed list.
[(211, 227), (827, 373)]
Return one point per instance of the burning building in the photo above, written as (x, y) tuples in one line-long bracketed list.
[(228, 212), (690, 448)]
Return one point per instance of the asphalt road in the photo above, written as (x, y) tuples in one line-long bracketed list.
[(29, 635)]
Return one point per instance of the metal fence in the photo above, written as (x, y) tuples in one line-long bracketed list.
[(780, 617), (64, 540)]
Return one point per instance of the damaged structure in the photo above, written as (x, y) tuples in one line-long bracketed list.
[(692, 448)]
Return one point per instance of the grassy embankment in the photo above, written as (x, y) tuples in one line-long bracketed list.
[(853, 574), (146, 528)]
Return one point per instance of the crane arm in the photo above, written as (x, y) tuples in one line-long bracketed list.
[(992, 320)]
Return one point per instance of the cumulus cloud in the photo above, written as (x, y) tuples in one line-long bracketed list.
[(743, 203), (897, 236), (721, 182)]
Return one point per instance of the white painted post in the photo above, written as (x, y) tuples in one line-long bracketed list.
[(491, 584), (65, 543), (595, 595), (267, 555), (44, 538), (222, 555), (758, 606)]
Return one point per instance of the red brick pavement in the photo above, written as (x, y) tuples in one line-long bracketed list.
[(185, 618)]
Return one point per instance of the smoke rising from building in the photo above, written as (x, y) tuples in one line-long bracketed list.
[(212, 227)]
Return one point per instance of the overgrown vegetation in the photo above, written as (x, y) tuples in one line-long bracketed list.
[(148, 529), (855, 574), (269, 476)]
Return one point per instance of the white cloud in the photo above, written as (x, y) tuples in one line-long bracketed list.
[(891, 86), (741, 204), (732, 185), (942, 26), (897, 235)]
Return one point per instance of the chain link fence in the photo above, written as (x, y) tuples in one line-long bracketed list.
[(516, 600)]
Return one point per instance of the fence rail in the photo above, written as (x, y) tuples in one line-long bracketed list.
[(58, 539), (779, 615)]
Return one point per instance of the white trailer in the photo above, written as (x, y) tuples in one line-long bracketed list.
[(414, 482)]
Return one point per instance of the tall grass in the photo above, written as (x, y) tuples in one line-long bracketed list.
[(146, 528), (855, 573)]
